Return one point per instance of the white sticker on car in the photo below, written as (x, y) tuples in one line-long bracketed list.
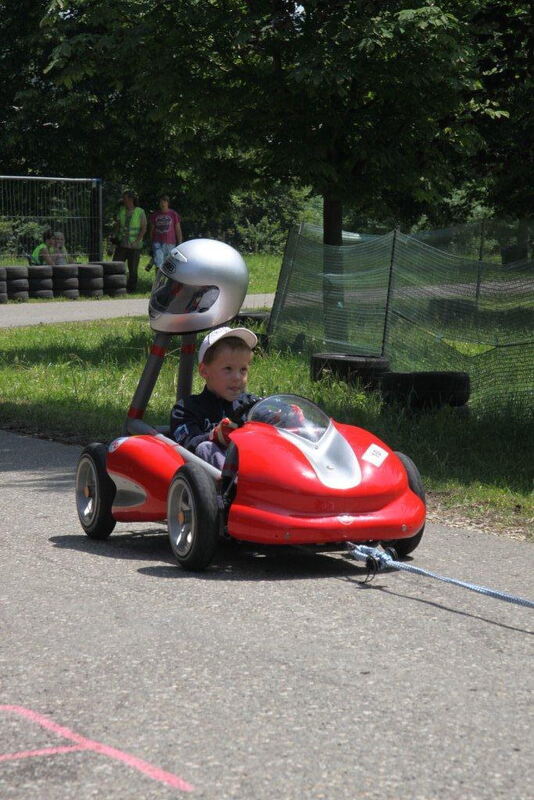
[(116, 443), (375, 455)]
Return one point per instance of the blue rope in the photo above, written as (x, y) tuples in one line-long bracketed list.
[(378, 560)]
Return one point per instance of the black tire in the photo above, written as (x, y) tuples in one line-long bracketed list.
[(405, 546), (38, 284), (253, 317), (3, 286), (91, 283), (39, 272), (95, 492), (3, 297), (22, 297), (192, 517), (69, 294), (65, 283), (62, 271), (113, 267), (365, 370), (117, 292), (41, 294), (426, 390), (86, 271), (15, 273), (2, 273), (115, 281), (17, 285), (91, 293)]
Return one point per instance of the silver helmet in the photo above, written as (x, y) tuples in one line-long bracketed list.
[(201, 285)]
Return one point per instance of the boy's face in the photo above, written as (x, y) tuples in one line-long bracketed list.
[(227, 374), (164, 205)]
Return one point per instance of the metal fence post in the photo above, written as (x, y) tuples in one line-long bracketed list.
[(389, 291)]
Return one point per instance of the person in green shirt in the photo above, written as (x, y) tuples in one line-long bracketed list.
[(130, 228), (43, 253)]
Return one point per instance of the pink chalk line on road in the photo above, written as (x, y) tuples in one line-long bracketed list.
[(81, 743)]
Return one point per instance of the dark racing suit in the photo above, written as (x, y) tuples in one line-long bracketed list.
[(192, 419)]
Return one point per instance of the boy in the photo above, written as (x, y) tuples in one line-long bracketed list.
[(43, 253), (202, 422)]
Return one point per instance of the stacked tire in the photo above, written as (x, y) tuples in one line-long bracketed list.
[(115, 277), (65, 281), (367, 371), (422, 391), (17, 285), (40, 282), (91, 280), (3, 285)]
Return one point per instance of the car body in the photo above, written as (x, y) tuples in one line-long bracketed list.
[(297, 477)]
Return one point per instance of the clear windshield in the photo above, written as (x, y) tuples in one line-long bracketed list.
[(291, 413)]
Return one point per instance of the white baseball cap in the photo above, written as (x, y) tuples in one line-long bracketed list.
[(247, 336)]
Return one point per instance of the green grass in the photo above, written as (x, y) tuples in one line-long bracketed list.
[(75, 383)]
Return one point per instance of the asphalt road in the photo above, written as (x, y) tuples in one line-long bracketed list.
[(275, 674)]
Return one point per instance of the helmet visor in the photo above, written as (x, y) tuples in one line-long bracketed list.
[(171, 297)]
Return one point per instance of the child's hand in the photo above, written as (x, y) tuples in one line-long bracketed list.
[(220, 434)]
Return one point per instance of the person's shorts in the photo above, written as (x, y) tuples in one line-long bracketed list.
[(160, 252)]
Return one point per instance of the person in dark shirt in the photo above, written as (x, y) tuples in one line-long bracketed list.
[(203, 422)]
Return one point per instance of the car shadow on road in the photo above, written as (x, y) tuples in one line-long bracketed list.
[(243, 561), (233, 561)]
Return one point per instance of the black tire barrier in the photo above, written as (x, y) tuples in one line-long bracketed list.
[(39, 272), (17, 285), (421, 391), (365, 370), (91, 283), (3, 286), (3, 297), (40, 284), (86, 271), (41, 294), (62, 271), (112, 267), (91, 292), (16, 273), (115, 281), (60, 284), (70, 294), (253, 317), (117, 292), (2, 273), (21, 297)]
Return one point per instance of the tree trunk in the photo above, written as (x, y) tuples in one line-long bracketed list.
[(335, 320)]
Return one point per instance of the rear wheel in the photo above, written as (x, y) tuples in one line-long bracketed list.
[(193, 517), (405, 546), (95, 492)]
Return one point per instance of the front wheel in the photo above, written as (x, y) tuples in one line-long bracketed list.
[(405, 546), (95, 492), (192, 517)]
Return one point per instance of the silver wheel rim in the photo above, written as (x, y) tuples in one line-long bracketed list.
[(86, 491), (182, 518)]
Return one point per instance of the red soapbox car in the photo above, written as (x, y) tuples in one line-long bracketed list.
[(292, 475), (293, 478)]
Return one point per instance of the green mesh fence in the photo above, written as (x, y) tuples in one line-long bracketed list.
[(422, 307)]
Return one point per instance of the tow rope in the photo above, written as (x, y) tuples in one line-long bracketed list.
[(377, 559)]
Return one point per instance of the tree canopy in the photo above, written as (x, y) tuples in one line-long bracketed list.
[(381, 106)]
